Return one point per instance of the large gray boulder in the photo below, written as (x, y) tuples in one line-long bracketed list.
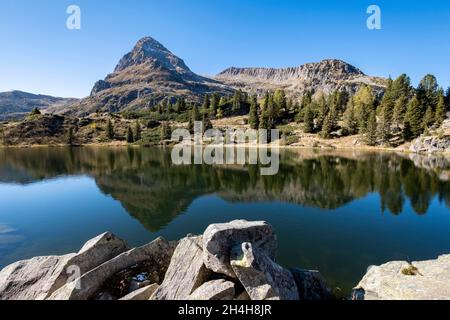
[(218, 240), (158, 252), (400, 280), (311, 285), (141, 294), (261, 277), (186, 271), (214, 290), (38, 278)]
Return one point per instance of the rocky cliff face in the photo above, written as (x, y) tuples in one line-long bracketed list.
[(144, 76), (325, 76)]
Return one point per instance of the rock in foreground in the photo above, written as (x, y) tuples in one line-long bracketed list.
[(400, 280), (231, 261)]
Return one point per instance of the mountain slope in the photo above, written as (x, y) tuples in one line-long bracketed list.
[(16, 104), (325, 76), (143, 77)]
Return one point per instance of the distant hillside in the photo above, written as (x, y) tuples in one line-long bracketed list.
[(16, 104)]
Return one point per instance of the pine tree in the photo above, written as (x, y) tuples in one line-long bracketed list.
[(206, 103), (440, 109), (130, 138), (428, 119), (323, 112), (180, 105), (110, 130), (137, 132), (407, 133), (193, 117), (253, 117), (219, 114), (447, 100), (69, 137), (384, 127), (400, 107), (308, 120), (371, 129), (427, 93), (364, 102), (327, 126), (414, 118), (350, 121), (206, 122), (165, 133), (280, 105), (214, 104), (237, 100)]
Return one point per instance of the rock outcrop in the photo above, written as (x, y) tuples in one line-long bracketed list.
[(325, 76), (401, 280), (214, 290), (261, 277), (163, 270), (38, 278), (219, 239), (186, 271), (430, 145)]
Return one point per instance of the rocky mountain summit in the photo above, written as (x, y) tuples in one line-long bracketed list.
[(17, 104), (150, 73), (145, 76), (325, 76)]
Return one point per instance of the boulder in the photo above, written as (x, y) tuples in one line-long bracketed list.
[(400, 280), (214, 290), (31, 279), (311, 285), (261, 277), (141, 294), (186, 271), (158, 252), (38, 278), (218, 240)]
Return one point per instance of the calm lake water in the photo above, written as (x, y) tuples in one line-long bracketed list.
[(335, 212)]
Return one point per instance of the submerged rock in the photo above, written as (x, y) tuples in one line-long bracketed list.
[(400, 280), (214, 290), (38, 278), (262, 278), (186, 271), (218, 240)]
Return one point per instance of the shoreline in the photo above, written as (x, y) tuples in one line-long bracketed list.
[(281, 147)]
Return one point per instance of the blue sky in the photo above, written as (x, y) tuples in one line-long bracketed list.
[(39, 54)]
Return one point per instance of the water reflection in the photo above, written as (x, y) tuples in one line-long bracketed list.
[(155, 191)]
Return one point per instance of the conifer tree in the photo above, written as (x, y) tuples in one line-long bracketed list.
[(194, 116), (206, 103), (428, 119), (364, 102), (214, 104), (130, 138), (414, 118), (350, 120), (440, 109), (253, 117), (308, 120), (165, 133), (69, 137), (401, 104), (384, 127), (110, 130), (371, 129), (137, 132), (237, 101)]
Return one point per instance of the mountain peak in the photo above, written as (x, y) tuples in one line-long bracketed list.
[(149, 51)]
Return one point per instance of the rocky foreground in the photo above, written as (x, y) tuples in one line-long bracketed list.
[(230, 261)]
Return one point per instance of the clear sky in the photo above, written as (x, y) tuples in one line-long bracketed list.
[(39, 54)]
